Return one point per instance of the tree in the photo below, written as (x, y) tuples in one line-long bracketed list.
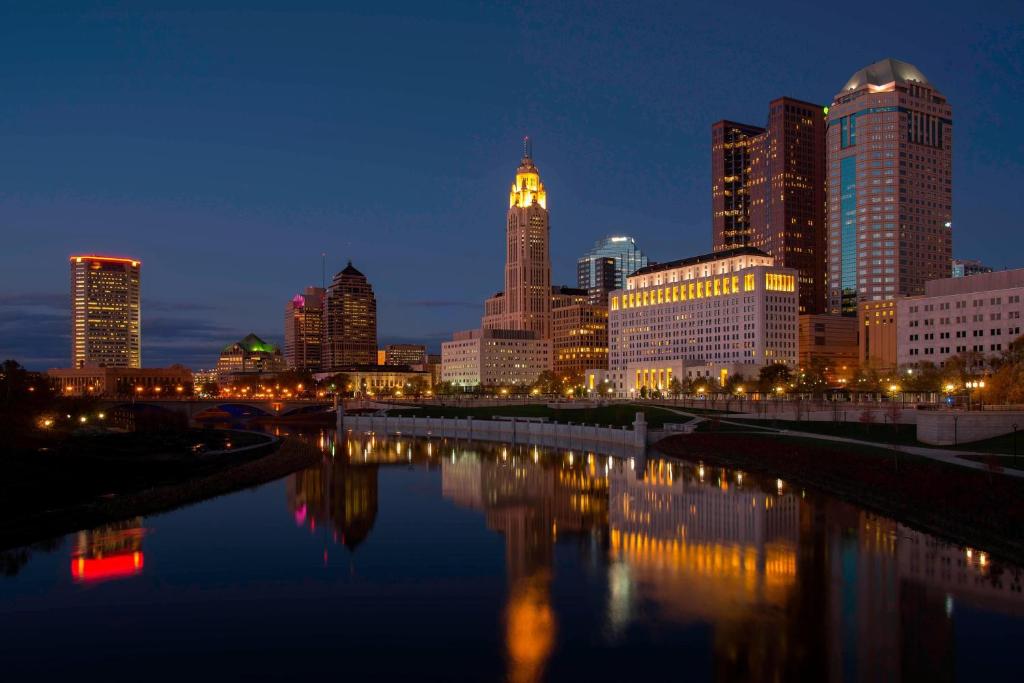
[(417, 386), (733, 384), (675, 388), (772, 376)]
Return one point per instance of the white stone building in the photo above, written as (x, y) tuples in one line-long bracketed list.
[(973, 314), (730, 312)]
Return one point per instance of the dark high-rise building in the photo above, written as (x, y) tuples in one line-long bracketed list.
[(890, 188), (350, 330), (304, 330), (733, 146), (606, 265), (768, 191)]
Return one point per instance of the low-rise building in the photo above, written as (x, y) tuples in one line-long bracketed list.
[(106, 382), (830, 342), (963, 267), (978, 314), (491, 357), (249, 356), (370, 380), (709, 316), (876, 338), (405, 354)]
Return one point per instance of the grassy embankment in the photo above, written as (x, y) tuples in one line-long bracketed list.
[(83, 481), (899, 435)]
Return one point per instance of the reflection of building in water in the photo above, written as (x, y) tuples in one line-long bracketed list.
[(108, 552), (530, 504), (339, 493), (738, 544), (962, 574), (708, 546)]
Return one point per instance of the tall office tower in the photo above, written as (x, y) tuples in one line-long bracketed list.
[(606, 266), (525, 303), (890, 200), (350, 315), (106, 318), (304, 330), (768, 191), (733, 148)]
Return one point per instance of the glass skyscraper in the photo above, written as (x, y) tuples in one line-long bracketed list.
[(599, 275)]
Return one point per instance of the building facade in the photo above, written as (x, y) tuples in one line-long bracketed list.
[(249, 356), (106, 312), (876, 338), (405, 354), (370, 380), (350, 327), (978, 315), (525, 303), (710, 316), (829, 342), (579, 333), (890, 193), (304, 330), (962, 267), (768, 191), (606, 265), (494, 357), (113, 382)]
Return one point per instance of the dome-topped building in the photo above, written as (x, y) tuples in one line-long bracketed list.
[(884, 72)]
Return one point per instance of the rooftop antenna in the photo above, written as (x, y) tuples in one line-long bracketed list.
[(323, 270), (527, 147)]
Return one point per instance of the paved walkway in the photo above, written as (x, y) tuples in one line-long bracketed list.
[(950, 457)]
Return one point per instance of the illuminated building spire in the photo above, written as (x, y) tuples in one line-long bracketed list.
[(527, 189)]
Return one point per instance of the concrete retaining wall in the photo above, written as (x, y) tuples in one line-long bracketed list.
[(953, 427), (590, 437)]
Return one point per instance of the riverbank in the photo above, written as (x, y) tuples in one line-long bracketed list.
[(56, 493), (963, 505)]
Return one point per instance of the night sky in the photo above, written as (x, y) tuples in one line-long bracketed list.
[(228, 148)]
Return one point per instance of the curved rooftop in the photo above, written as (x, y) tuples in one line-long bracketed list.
[(885, 71)]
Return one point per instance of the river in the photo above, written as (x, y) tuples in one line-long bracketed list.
[(443, 560)]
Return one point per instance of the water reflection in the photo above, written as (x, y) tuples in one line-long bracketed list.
[(112, 551), (792, 585)]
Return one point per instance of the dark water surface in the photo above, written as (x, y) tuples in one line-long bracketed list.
[(402, 559)]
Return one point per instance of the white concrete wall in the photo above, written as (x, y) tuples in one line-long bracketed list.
[(604, 439), (947, 428)]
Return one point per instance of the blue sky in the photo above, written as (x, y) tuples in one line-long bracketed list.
[(227, 145)]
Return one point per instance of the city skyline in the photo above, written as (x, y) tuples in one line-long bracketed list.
[(245, 238)]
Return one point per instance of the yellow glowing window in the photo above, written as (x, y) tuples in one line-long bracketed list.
[(615, 306), (748, 282), (700, 290), (691, 290), (718, 287), (735, 283)]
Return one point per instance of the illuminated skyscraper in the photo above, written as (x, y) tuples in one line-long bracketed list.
[(890, 188), (105, 312), (525, 303), (607, 265), (304, 330), (351, 321)]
